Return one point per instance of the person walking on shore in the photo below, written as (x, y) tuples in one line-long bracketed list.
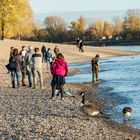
[(29, 65), (95, 68), (56, 50), (59, 71), (37, 68), (81, 46)]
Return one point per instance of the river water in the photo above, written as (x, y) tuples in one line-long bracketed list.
[(120, 83)]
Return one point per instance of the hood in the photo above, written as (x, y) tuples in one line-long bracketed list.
[(60, 61)]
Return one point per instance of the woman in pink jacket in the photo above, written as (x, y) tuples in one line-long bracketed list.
[(59, 71)]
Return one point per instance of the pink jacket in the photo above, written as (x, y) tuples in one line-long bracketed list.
[(60, 67)]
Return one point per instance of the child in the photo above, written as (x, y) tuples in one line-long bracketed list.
[(59, 71)]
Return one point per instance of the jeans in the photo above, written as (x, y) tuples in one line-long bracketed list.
[(39, 73), (94, 75), (30, 75), (17, 75)]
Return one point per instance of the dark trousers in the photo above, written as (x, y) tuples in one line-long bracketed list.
[(43, 56), (81, 49), (30, 75), (61, 87), (94, 75), (23, 77)]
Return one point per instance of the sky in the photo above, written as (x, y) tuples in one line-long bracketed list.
[(45, 6)]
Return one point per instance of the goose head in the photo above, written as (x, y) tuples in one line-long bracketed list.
[(127, 112), (82, 94)]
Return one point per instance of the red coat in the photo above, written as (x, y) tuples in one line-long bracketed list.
[(60, 67)]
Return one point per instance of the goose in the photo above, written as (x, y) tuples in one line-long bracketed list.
[(127, 112), (88, 109)]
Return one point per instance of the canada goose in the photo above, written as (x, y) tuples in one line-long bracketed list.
[(127, 112), (88, 109)]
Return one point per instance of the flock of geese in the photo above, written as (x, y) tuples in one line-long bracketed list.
[(90, 110)]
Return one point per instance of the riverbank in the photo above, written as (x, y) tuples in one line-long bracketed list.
[(31, 114), (71, 52)]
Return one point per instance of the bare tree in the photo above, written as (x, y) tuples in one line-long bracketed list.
[(82, 24), (55, 23), (117, 25)]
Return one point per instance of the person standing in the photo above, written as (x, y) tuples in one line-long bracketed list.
[(43, 50), (23, 64), (56, 50), (23, 51), (59, 71), (95, 68), (29, 65), (48, 58), (37, 68), (15, 67)]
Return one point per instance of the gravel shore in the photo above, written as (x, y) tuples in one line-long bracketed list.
[(30, 114)]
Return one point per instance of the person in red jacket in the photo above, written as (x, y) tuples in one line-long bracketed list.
[(59, 71)]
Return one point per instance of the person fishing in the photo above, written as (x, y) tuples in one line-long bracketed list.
[(95, 68)]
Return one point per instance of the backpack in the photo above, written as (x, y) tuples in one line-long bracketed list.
[(12, 65), (48, 55)]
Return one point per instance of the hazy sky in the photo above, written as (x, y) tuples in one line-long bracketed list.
[(43, 6)]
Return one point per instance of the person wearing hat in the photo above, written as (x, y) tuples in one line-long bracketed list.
[(95, 68)]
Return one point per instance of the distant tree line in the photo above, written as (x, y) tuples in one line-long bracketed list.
[(56, 29), (16, 21)]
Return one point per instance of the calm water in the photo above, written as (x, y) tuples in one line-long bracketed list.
[(120, 84)]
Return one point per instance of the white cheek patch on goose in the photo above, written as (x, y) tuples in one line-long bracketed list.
[(128, 114), (95, 113)]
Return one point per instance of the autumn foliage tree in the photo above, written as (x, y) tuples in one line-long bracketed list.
[(16, 18), (131, 24), (107, 30)]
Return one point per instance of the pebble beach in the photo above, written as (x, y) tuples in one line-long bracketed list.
[(30, 114)]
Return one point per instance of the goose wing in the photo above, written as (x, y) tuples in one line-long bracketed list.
[(89, 110)]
